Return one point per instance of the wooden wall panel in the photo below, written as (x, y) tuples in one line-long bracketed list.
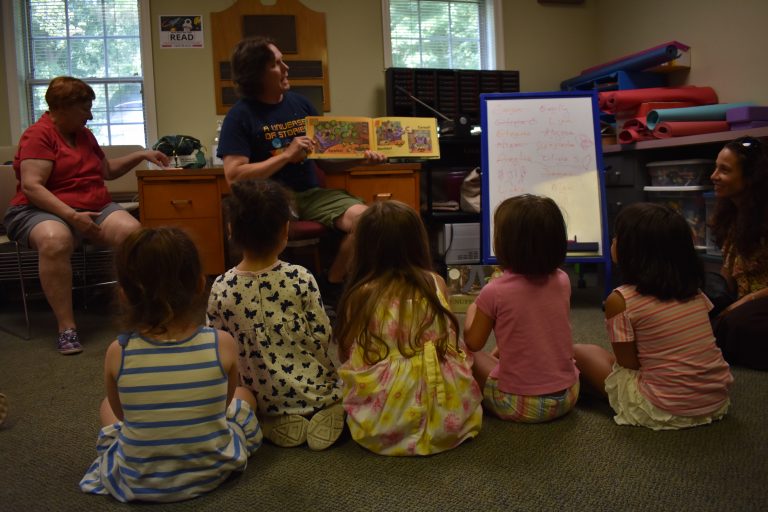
[(311, 55)]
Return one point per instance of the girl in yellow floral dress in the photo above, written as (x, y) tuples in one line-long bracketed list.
[(407, 381)]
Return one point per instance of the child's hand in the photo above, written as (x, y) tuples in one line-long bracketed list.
[(495, 352)]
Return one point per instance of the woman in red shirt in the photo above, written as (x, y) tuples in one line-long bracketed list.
[(61, 196)]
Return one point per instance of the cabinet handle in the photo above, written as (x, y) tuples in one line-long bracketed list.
[(181, 202), (383, 196)]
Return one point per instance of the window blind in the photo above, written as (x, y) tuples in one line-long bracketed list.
[(438, 34), (99, 42)]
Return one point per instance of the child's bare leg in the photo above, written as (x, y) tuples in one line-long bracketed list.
[(595, 364), (246, 394), (484, 363), (106, 414)]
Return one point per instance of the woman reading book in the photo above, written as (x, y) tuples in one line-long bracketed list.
[(264, 136)]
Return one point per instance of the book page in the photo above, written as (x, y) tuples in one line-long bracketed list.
[(339, 137), (406, 137)]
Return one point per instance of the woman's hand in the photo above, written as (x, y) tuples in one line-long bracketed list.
[(298, 149), (157, 157), (374, 157), (84, 223)]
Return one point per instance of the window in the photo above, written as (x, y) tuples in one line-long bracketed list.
[(98, 41), (452, 34)]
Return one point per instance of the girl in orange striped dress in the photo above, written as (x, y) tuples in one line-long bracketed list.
[(665, 371)]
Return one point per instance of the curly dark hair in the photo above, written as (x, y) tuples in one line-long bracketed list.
[(745, 225), (529, 235), (160, 274), (250, 59), (655, 252), (257, 212)]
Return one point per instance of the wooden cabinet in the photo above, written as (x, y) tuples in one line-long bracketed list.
[(191, 200), (379, 182)]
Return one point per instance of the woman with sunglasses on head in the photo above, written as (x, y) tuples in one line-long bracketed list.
[(740, 228)]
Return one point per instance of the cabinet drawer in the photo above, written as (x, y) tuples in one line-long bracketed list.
[(179, 200), (207, 234), (621, 171), (372, 188)]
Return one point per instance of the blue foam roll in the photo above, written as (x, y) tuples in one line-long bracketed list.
[(700, 113), (636, 63)]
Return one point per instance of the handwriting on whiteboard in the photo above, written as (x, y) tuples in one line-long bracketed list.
[(546, 146)]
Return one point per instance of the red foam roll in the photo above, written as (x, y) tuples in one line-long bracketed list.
[(637, 123), (682, 128), (616, 101), (631, 135)]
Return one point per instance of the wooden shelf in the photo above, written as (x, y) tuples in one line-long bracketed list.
[(706, 138)]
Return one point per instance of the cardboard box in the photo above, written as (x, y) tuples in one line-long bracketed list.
[(460, 302)]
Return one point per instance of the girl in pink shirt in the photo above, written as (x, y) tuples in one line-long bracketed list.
[(531, 376), (665, 371)]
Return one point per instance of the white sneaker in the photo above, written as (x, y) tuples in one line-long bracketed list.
[(325, 427), (288, 430)]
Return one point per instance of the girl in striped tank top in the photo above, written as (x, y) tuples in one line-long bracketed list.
[(175, 424), (665, 371)]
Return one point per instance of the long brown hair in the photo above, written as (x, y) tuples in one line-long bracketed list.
[(392, 263), (745, 225)]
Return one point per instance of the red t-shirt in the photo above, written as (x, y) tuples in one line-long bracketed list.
[(77, 177)]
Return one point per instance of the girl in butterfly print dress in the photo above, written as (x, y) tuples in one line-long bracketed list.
[(274, 311)]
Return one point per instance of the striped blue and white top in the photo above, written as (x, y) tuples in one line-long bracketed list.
[(178, 439)]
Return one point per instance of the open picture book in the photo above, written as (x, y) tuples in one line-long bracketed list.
[(395, 137)]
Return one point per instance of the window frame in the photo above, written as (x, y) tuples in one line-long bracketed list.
[(16, 70), (494, 37)]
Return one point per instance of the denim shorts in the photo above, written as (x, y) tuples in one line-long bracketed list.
[(21, 219)]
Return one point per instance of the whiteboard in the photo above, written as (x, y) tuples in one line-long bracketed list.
[(544, 144)]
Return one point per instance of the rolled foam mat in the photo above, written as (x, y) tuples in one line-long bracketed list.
[(700, 113), (616, 101), (631, 135), (680, 46), (748, 125), (746, 114), (636, 62), (682, 128)]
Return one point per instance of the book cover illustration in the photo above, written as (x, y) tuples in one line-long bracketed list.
[(339, 137), (395, 137)]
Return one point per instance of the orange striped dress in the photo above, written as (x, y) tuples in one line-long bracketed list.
[(682, 371)]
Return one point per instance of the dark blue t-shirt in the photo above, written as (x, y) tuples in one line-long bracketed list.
[(259, 130)]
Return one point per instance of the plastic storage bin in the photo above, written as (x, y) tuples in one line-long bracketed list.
[(691, 204), (680, 173)]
